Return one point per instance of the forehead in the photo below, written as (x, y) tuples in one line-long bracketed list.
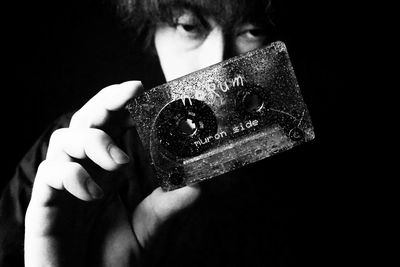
[(224, 11), (200, 5)]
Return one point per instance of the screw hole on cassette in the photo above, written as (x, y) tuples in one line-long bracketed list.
[(296, 134)]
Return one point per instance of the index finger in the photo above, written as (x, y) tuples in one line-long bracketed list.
[(112, 98)]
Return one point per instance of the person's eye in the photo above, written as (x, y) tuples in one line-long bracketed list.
[(249, 37), (192, 30), (252, 33), (255, 33), (189, 26)]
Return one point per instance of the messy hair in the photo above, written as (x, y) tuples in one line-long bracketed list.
[(141, 16)]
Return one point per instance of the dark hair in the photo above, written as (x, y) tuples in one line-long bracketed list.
[(141, 16)]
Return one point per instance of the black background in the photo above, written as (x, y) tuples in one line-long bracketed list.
[(59, 54)]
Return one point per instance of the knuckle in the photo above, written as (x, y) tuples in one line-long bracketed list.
[(78, 119), (48, 174), (75, 117), (43, 166), (73, 172), (96, 137), (73, 169), (58, 140), (56, 136)]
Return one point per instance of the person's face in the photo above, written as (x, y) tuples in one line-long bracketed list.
[(194, 42)]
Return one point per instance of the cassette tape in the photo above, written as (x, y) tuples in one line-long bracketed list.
[(223, 117)]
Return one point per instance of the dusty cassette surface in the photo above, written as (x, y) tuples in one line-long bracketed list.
[(222, 117)]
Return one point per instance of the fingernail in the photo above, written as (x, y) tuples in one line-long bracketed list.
[(118, 155), (94, 190)]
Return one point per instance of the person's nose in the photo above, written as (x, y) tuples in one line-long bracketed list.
[(214, 49)]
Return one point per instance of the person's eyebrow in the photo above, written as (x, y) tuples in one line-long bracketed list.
[(195, 7), (198, 11)]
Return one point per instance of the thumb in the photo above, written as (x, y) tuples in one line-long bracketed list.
[(160, 206)]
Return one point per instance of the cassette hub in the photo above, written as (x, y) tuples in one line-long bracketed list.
[(183, 121)]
